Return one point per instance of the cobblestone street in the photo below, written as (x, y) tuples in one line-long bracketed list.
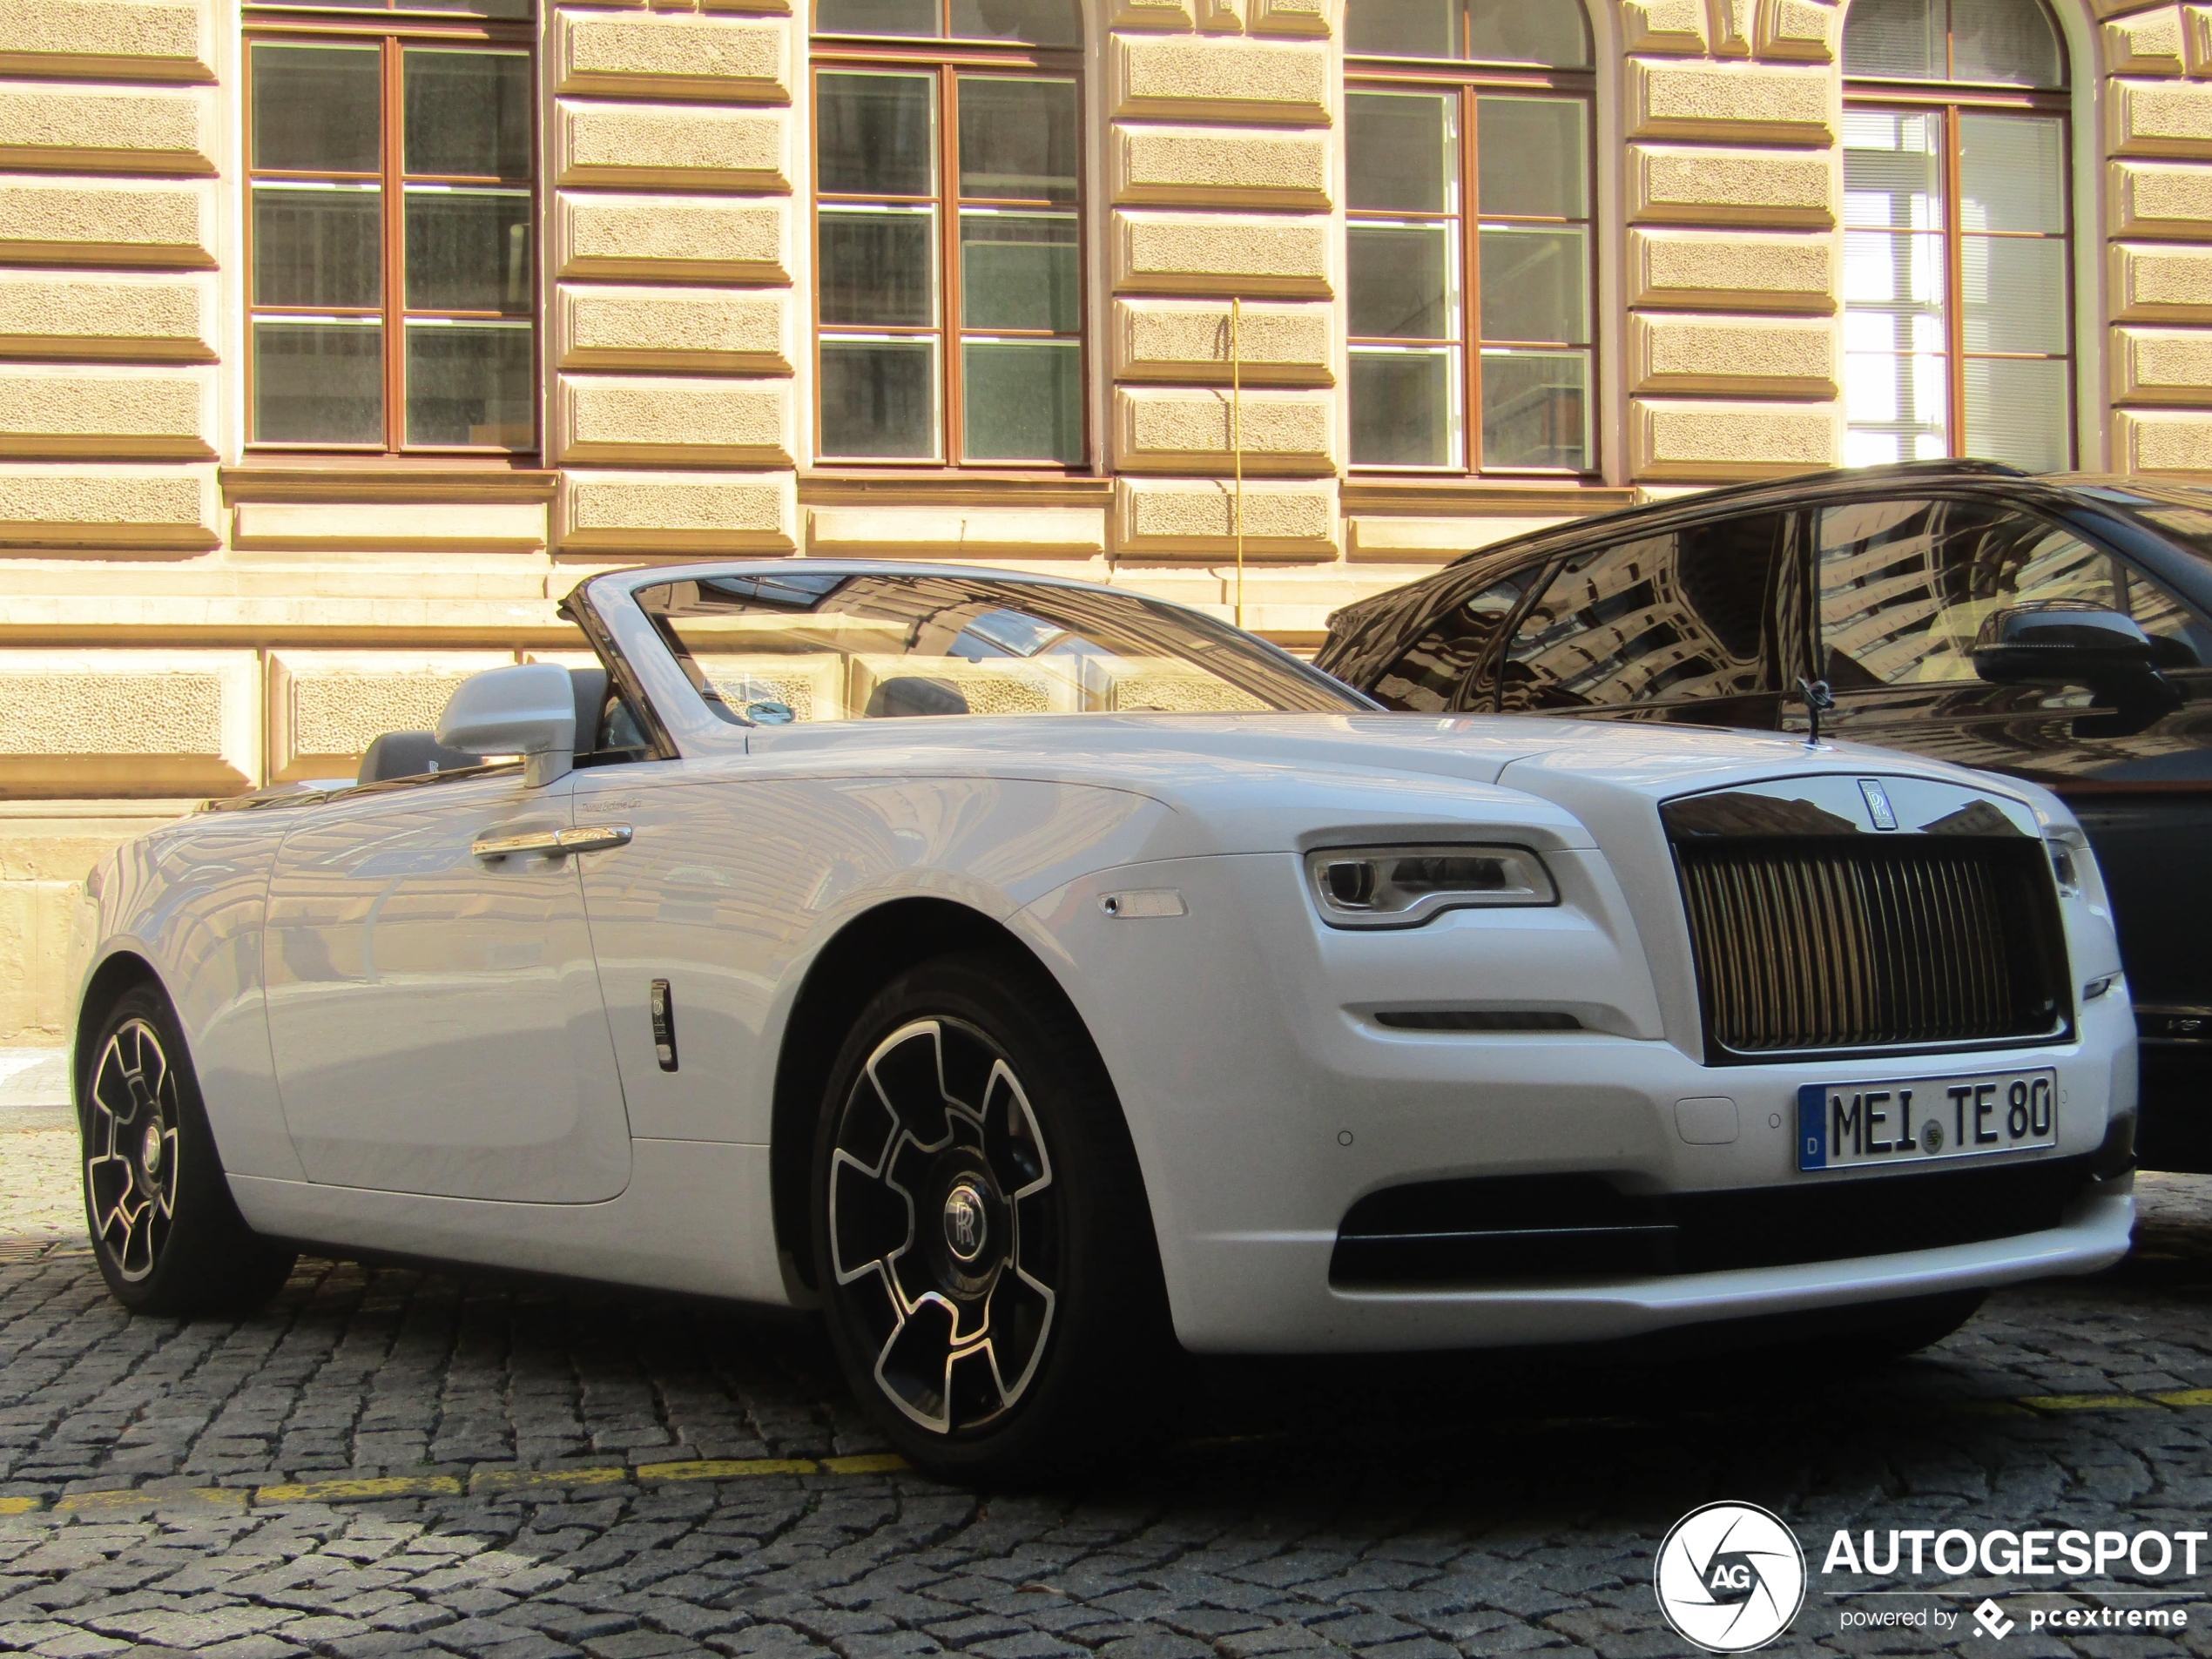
[(389, 1462)]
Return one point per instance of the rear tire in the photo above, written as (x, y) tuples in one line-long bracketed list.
[(981, 1237), (165, 1232)]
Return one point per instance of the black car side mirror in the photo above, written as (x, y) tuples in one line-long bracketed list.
[(2062, 640)]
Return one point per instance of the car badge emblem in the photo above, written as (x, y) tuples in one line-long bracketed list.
[(964, 1222), (1878, 803)]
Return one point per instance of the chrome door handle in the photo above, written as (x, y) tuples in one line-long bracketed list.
[(556, 843)]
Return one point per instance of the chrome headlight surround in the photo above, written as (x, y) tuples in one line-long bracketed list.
[(1404, 886)]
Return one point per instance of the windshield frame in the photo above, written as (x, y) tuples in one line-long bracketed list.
[(619, 598)]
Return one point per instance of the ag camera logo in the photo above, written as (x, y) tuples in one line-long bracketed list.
[(1730, 1577)]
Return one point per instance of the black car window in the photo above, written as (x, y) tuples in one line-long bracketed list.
[(1427, 679), (1673, 617), (2183, 640), (1905, 585)]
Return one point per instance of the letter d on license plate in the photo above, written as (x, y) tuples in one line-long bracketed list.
[(1844, 1125)]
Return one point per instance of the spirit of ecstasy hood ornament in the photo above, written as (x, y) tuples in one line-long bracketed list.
[(1818, 701)]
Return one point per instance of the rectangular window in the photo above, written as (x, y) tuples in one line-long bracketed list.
[(1956, 287), (1471, 299), (949, 246), (391, 225)]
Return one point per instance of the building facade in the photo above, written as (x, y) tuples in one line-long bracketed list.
[(339, 340)]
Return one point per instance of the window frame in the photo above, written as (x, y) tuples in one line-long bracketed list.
[(1469, 79), (945, 60), (392, 32), (1948, 101)]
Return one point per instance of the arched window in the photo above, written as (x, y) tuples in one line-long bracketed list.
[(1469, 271), (1957, 293)]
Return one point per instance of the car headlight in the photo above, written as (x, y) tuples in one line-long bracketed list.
[(1403, 886), (2074, 866)]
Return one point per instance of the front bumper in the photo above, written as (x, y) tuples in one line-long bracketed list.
[(1265, 1099)]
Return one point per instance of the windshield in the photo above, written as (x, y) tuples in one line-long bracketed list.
[(788, 645)]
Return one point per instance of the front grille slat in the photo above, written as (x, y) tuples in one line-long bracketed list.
[(1838, 943)]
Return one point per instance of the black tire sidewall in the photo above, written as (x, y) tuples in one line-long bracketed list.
[(211, 1260), (1110, 1315)]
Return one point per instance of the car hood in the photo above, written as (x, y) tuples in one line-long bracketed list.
[(1264, 782)]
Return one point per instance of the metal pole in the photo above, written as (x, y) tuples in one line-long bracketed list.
[(1236, 435)]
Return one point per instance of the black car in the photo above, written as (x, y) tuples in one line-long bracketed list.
[(2056, 627)]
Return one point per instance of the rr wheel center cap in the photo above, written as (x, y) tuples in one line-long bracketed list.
[(967, 1221), (151, 1154)]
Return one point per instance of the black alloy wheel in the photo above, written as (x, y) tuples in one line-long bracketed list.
[(165, 1232), (984, 1245)]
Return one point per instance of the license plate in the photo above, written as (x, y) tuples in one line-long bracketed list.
[(1843, 1126)]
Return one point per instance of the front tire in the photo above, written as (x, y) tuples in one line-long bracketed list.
[(166, 1234), (982, 1241)]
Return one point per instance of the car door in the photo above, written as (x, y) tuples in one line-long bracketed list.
[(1688, 625), (1905, 586), (433, 1008)]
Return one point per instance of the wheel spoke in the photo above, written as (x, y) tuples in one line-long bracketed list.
[(906, 1077), (1021, 1315), (914, 1366), (871, 1221), (1010, 1137)]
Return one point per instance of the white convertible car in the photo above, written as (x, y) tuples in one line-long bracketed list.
[(1032, 975)]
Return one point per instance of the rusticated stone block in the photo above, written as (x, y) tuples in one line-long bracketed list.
[(128, 724), (1165, 429), (388, 527), (2162, 366), (2150, 283), (1663, 26), (723, 330), (1730, 102), (1767, 188), (109, 40), (164, 414), (731, 59), (47, 315), (2161, 198), (81, 222), (75, 129), (1178, 517), (1804, 31), (1178, 15), (2162, 439), (1188, 341), (1730, 26), (701, 238), (324, 707), (1214, 253), (663, 418), (1731, 271), (713, 149), (2158, 117), (1754, 356), (1708, 443), (1292, 17), (2148, 43), (1205, 165), (688, 512), (1219, 78), (107, 506)]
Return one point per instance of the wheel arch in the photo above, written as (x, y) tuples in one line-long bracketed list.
[(864, 955), (120, 971)]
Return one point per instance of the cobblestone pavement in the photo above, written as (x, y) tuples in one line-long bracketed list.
[(532, 1439)]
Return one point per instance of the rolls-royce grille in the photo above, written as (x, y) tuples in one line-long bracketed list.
[(1845, 943)]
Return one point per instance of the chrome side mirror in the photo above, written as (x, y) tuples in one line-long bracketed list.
[(527, 709)]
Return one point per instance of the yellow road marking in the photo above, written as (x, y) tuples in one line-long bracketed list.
[(20, 1505), (865, 1463), (228, 1497), (738, 1468), (400, 1486), (2185, 1397), (2087, 1403)]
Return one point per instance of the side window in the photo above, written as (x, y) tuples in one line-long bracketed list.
[(1905, 585), (621, 736), (1427, 679), (2183, 640), (1670, 618)]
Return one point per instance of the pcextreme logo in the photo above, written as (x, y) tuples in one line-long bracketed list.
[(1730, 1577)]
